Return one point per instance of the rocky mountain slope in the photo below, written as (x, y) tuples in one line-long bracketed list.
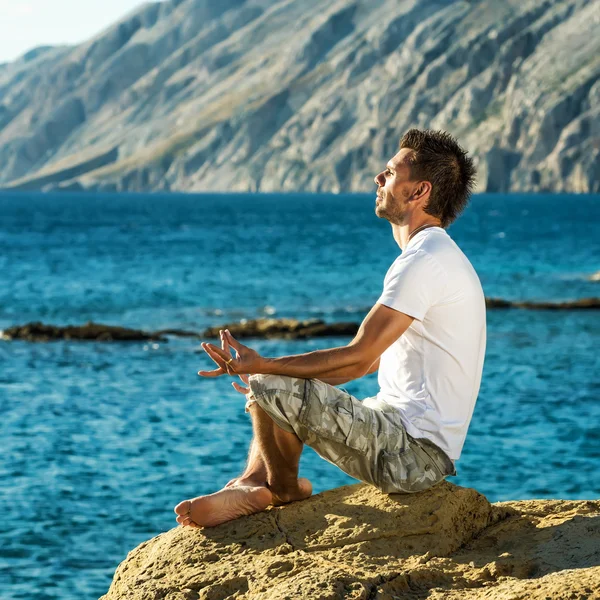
[(355, 543), (281, 95)]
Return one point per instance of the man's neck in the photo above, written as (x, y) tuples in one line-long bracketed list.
[(401, 232)]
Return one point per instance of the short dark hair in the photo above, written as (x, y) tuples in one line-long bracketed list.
[(439, 159)]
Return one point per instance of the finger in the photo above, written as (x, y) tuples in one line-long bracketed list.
[(215, 351), (225, 347), (244, 378), (226, 364), (232, 341), (217, 358), (239, 388), (214, 373), (224, 342)]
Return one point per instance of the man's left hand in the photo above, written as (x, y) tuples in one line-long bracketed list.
[(246, 361)]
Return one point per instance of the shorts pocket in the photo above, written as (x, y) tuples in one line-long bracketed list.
[(407, 471), (361, 432), (334, 415), (442, 464)]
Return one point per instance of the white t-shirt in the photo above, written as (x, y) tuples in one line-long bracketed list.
[(432, 372)]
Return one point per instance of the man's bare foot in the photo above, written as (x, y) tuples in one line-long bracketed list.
[(301, 491), (246, 482), (222, 506)]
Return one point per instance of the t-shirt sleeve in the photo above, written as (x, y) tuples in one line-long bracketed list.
[(413, 284)]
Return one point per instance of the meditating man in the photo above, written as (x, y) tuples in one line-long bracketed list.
[(425, 336)]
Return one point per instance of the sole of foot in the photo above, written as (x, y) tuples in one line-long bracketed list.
[(302, 492), (225, 505)]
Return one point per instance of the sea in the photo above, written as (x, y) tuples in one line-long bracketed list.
[(99, 441)]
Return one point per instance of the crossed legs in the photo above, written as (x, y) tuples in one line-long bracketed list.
[(270, 477)]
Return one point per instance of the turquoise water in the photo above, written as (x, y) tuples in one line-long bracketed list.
[(100, 441)]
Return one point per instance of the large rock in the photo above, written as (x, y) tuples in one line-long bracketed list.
[(357, 543), (272, 95)]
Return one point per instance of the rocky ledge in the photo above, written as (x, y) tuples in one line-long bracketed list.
[(357, 543)]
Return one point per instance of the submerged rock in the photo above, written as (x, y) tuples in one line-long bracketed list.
[(39, 332), (583, 303), (284, 328), (356, 543)]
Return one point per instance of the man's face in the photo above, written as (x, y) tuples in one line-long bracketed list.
[(395, 189)]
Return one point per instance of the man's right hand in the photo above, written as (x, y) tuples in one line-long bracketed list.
[(244, 378)]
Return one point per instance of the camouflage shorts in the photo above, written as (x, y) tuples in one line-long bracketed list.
[(365, 439)]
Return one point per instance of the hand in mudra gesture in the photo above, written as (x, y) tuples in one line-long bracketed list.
[(242, 365)]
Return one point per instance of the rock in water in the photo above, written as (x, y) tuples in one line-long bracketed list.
[(40, 332), (284, 328), (356, 543), (581, 304)]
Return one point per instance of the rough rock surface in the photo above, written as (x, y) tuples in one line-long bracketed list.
[(273, 95), (357, 543)]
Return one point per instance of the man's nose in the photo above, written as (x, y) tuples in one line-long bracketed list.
[(378, 179)]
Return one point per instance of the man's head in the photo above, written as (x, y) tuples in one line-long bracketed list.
[(431, 173)]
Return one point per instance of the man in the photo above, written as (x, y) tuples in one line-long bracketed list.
[(425, 335)]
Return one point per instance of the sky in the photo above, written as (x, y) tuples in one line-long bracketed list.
[(25, 24)]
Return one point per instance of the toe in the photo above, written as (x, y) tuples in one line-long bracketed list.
[(305, 487), (185, 521), (183, 508)]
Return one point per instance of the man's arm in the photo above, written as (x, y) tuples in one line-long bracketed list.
[(379, 330), (340, 380)]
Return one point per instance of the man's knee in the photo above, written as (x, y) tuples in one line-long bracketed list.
[(263, 379), (261, 384), (277, 396)]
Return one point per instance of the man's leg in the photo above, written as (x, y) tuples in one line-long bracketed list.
[(274, 453), (280, 452), (256, 470)]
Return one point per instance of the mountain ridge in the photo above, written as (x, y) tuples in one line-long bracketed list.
[(278, 95)]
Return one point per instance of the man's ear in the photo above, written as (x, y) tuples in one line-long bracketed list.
[(422, 191)]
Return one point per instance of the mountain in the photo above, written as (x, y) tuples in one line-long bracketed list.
[(282, 95)]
